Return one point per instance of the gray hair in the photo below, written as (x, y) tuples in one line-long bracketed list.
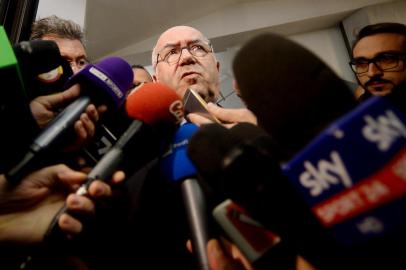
[(58, 27)]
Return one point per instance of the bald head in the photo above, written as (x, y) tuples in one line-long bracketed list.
[(174, 31), (192, 63)]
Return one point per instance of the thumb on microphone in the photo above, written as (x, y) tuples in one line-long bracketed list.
[(228, 116), (44, 108), (231, 115), (60, 99)]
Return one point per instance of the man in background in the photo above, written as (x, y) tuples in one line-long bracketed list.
[(379, 58), (68, 36), (141, 75)]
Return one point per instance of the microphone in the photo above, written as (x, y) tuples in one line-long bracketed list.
[(156, 111), (351, 179), (295, 97), (103, 83), (233, 163), (332, 202), (43, 69), (210, 150), (293, 110), (177, 167), (18, 124), (245, 170)]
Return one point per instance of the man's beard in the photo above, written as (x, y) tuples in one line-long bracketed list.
[(377, 79)]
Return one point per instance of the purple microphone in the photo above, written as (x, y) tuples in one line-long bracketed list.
[(106, 82)]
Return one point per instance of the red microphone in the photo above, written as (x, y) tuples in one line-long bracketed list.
[(155, 103), (157, 111)]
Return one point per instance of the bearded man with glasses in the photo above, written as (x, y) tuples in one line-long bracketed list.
[(379, 58)]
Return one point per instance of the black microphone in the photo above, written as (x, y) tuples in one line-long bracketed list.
[(177, 167), (336, 202), (295, 96), (18, 124), (238, 163), (293, 93), (244, 169), (44, 71), (104, 83), (214, 147)]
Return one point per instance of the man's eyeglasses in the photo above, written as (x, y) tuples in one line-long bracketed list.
[(384, 62), (78, 64), (172, 54)]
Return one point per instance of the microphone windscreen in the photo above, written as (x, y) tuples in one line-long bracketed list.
[(113, 76), (208, 146), (43, 69), (18, 124), (41, 53), (291, 91), (155, 102), (176, 165), (214, 147), (213, 142), (246, 131)]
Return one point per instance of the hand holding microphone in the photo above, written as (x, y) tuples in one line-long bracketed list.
[(44, 72), (27, 209), (104, 83), (156, 110), (45, 108)]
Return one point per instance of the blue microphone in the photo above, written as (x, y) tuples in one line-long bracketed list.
[(352, 177), (177, 167)]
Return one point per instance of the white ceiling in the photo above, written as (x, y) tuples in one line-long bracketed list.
[(129, 28)]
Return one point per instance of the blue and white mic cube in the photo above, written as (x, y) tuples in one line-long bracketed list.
[(353, 175)]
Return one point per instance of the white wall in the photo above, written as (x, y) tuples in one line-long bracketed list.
[(388, 12), (329, 45), (67, 9)]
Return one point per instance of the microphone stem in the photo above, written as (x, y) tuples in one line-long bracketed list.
[(193, 198)]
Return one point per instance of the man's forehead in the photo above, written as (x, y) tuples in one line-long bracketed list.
[(178, 35)]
